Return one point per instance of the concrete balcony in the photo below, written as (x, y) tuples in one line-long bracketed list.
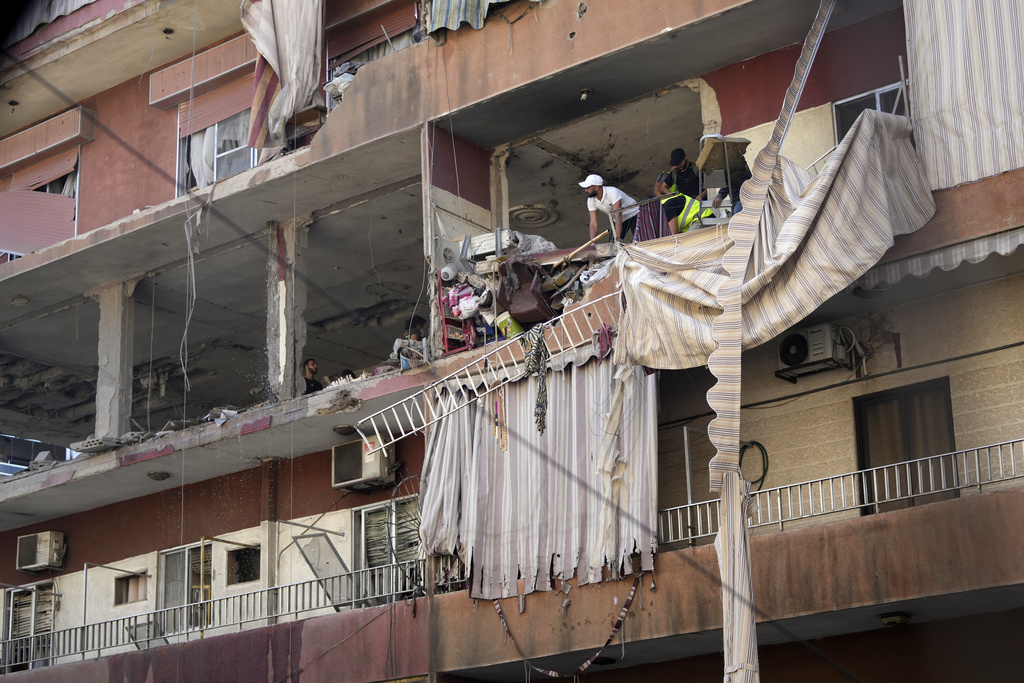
[(937, 563)]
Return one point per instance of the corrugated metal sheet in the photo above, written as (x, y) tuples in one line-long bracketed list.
[(43, 172), (212, 69), (451, 13), (362, 33), (215, 106), (30, 221)]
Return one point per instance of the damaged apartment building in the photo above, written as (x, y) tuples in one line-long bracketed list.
[(782, 440)]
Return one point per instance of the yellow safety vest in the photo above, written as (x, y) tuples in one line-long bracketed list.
[(690, 211)]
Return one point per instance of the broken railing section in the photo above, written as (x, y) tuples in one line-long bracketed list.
[(502, 365)]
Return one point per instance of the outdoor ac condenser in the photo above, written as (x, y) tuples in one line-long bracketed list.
[(810, 349), (358, 466), (44, 550)]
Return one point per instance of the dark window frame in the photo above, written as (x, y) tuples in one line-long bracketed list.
[(243, 563), (122, 589), (877, 94), (902, 394)]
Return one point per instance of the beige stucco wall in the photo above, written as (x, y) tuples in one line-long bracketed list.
[(291, 568), (811, 134), (812, 435)]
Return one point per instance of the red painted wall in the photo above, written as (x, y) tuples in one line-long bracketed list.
[(209, 508), (473, 182), (355, 646), (131, 163), (134, 527), (304, 486), (851, 60)]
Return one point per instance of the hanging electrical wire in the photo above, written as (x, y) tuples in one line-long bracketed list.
[(759, 482)]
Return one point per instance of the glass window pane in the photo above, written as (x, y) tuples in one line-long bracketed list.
[(174, 579), (233, 162), (233, 133), (887, 99), (847, 113)]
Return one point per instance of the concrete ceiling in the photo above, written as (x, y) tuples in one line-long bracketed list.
[(64, 71), (628, 145), (363, 273), (757, 27)]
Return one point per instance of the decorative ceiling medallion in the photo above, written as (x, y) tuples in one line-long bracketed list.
[(532, 217)]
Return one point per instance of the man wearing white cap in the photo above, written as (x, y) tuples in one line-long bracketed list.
[(609, 200)]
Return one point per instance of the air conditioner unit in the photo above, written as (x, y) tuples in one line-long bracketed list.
[(44, 550), (810, 350), (359, 466)]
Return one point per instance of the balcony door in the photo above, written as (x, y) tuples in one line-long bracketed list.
[(186, 579), (898, 426)]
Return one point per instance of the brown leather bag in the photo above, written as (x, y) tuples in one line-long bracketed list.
[(520, 291)]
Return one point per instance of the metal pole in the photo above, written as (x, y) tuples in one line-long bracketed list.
[(689, 485), (686, 451), (85, 599)]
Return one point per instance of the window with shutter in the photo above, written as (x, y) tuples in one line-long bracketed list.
[(37, 207), (389, 533), (214, 136), (28, 613), (351, 37)]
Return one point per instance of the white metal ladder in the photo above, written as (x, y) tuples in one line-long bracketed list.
[(502, 365)]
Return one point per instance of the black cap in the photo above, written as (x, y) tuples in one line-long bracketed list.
[(677, 156)]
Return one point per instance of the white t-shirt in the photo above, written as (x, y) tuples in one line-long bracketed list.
[(607, 202)]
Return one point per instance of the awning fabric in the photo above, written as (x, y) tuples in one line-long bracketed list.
[(288, 36), (966, 65), (36, 14), (947, 258), (451, 13), (816, 235), (511, 502)]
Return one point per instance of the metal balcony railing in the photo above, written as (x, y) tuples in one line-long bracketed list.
[(503, 364), (363, 588), (878, 489)]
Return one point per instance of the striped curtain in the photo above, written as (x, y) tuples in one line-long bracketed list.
[(966, 61), (511, 502), (289, 38)]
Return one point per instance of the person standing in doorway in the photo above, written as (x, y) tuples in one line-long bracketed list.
[(309, 370)]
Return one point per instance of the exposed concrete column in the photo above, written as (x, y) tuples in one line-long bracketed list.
[(499, 189), (430, 241), (286, 306), (269, 527), (710, 111), (116, 347), (268, 499)]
